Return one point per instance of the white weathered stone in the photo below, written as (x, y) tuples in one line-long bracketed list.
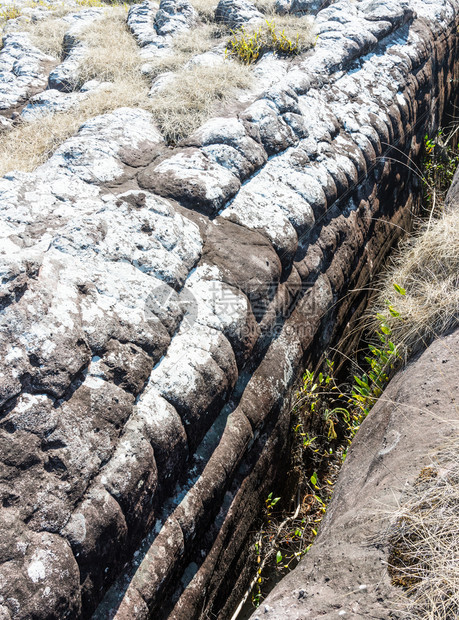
[(66, 76), (22, 69), (237, 13), (49, 102)]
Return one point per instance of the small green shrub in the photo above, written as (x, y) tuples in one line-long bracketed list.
[(439, 165), (337, 411), (285, 538), (381, 361), (342, 408), (9, 12), (249, 46)]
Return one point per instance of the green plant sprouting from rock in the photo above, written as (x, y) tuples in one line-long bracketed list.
[(348, 405), (338, 410), (284, 537), (439, 165), (249, 46)]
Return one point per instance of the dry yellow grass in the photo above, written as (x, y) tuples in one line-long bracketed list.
[(47, 35), (9, 12), (187, 44), (190, 98), (29, 144), (199, 40), (293, 26), (184, 103), (423, 538), (113, 53), (427, 267), (265, 6), (205, 9)]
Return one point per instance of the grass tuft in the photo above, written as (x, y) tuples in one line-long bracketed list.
[(9, 12), (205, 9), (424, 541), (198, 40), (287, 36), (266, 7), (293, 25), (190, 98), (427, 267), (105, 60), (47, 35), (91, 3)]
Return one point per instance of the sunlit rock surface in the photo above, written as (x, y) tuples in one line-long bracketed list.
[(158, 303)]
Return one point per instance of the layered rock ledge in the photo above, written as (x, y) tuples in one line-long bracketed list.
[(158, 305)]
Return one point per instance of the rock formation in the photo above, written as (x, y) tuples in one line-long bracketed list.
[(405, 440), (345, 573), (158, 304)]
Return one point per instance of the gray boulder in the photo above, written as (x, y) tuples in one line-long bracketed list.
[(174, 16), (300, 7), (66, 76), (23, 70), (237, 13)]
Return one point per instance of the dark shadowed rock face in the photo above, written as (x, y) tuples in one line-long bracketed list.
[(345, 572), (157, 306)]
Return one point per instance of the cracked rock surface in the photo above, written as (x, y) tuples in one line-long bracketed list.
[(23, 70), (65, 76), (237, 13), (158, 304)]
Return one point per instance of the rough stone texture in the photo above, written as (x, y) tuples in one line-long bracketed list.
[(140, 21), (50, 101), (65, 77), (345, 572), (23, 70), (157, 306), (237, 13), (300, 7), (154, 27), (452, 197), (174, 16), (192, 178), (26, 72)]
